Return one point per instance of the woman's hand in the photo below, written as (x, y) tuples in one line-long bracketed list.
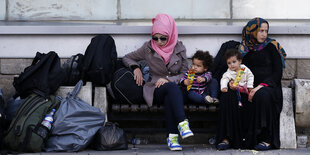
[(186, 82), (253, 91), (200, 79), (138, 76), (160, 82)]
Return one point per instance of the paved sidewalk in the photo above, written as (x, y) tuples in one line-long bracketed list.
[(197, 149)]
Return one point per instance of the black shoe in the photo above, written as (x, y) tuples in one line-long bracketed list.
[(262, 147), (223, 146)]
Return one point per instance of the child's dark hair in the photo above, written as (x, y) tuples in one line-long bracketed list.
[(233, 52), (205, 57)]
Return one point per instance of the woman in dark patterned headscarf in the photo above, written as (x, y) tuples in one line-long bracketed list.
[(256, 124)]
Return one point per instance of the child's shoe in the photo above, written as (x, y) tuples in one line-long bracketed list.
[(184, 129), (216, 101), (173, 142), (209, 99)]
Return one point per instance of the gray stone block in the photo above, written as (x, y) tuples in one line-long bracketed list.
[(303, 71), (199, 9), (2, 9), (85, 93), (35, 10), (100, 100), (302, 93), (289, 72), (287, 83), (287, 123), (6, 84), (14, 66)]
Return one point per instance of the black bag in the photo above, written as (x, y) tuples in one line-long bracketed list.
[(99, 60), (3, 119), (110, 137), (73, 68), (43, 76), (220, 65), (125, 88)]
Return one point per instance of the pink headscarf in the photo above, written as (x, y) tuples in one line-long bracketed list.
[(165, 25)]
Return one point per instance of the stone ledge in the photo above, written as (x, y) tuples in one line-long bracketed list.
[(93, 28)]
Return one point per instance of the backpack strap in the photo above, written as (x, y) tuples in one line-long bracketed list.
[(26, 140)]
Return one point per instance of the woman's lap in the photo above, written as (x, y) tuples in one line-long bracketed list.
[(243, 124), (230, 119), (266, 115)]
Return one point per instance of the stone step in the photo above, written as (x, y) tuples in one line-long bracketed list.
[(85, 93)]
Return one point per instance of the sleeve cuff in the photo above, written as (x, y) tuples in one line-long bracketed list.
[(133, 67), (264, 84)]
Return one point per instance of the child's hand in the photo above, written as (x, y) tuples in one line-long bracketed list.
[(200, 79), (186, 82), (224, 90), (231, 86)]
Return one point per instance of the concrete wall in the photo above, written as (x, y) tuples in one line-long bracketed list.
[(99, 10), (271, 9), (2, 9), (139, 12)]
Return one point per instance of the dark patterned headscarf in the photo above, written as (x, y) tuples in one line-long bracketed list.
[(249, 39)]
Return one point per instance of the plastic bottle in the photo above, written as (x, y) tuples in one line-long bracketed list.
[(46, 124), (138, 141), (48, 120), (212, 140)]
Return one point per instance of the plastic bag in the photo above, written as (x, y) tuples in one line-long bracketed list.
[(110, 137), (76, 122)]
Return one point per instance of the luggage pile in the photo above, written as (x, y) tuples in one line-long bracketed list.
[(36, 120)]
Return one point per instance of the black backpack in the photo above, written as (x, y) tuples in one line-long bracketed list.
[(219, 64), (43, 76), (73, 68), (99, 60)]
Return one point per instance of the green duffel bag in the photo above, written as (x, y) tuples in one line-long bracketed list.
[(22, 135)]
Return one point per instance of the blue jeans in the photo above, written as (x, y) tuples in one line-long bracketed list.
[(171, 95), (211, 89)]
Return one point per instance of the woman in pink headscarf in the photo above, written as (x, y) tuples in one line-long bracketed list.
[(166, 57)]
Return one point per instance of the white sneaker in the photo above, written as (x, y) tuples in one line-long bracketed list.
[(173, 142), (209, 99)]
